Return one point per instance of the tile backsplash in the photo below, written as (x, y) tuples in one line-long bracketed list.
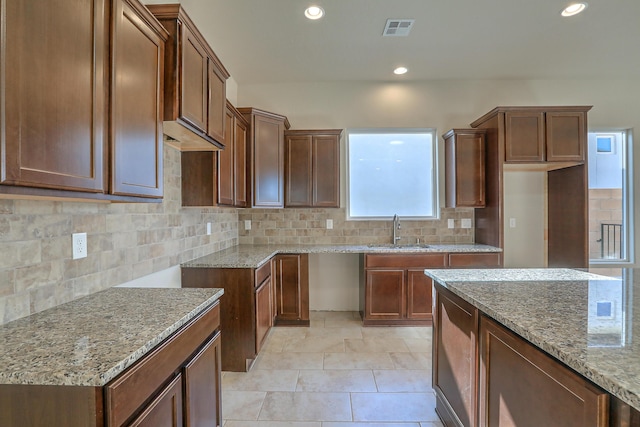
[(130, 240), (125, 241), (308, 226)]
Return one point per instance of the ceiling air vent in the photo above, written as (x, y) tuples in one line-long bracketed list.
[(397, 27)]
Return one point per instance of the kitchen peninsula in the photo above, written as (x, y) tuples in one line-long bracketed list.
[(269, 284), (536, 347), (116, 357)]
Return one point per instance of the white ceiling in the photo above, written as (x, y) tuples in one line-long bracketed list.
[(270, 41)]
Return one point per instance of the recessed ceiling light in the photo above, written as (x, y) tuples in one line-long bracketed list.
[(573, 9), (314, 12), (400, 70)]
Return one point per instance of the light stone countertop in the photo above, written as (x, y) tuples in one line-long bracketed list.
[(89, 341), (556, 310), (253, 256)]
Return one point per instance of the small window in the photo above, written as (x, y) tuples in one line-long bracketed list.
[(605, 144), (391, 172)]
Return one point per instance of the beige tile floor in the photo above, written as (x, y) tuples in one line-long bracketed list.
[(335, 373)]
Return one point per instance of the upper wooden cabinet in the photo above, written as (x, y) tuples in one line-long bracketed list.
[(232, 161), (312, 168), (266, 150), (465, 168), (55, 93), (81, 99), (541, 134), (195, 84), (136, 109)]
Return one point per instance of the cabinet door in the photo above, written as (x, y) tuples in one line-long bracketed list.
[(216, 103), (292, 288), (268, 162), (193, 104), (299, 171), (136, 109), (264, 316), (165, 410), (225, 162), (55, 59), (418, 295), (524, 137), (566, 136), (385, 294), (241, 171), (465, 168), (522, 386), (455, 358), (326, 171), (202, 386)]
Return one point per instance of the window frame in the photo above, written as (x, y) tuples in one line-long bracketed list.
[(628, 235), (435, 196)]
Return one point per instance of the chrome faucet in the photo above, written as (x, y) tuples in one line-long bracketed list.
[(396, 227)]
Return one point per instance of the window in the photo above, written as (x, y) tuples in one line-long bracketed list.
[(610, 197), (391, 172)]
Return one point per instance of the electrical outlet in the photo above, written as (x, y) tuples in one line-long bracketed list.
[(465, 223), (451, 223), (208, 229), (247, 224), (79, 245), (329, 224)]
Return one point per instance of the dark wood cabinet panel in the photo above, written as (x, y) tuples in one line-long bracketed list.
[(522, 386), (524, 136), (203, 386), (465, 168), (566, 136), (418, 295), (137, 50), (198, 178), (292, 289), (385, 295), (195, 84), (165, 410), (312, 168), (475, 260), (264, 315), (299, 171), (216, 101), (194, 99), (455, 359), (266, 150), (55, 94), (232, 161)]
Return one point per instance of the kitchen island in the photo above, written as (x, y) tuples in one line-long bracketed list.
[(114, 357), (536, 347)]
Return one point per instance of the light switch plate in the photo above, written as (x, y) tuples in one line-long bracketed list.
[(451, 223), (512, 222), (329, 224), (247, 224), (79, 245), (465, 223)]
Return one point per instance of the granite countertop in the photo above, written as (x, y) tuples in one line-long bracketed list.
[(253, 256), (561, 311), (89, 341)]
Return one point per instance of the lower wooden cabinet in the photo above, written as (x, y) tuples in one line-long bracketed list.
[(485, 375), (475, 260), (203, 387), (292, 289), (264, 304), (455, 359), (396, 290), (520, 385), (165, 410)]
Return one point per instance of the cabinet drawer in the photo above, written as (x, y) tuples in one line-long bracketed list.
[(125, 394), (262, 273), (475, 260), (406, 261)]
